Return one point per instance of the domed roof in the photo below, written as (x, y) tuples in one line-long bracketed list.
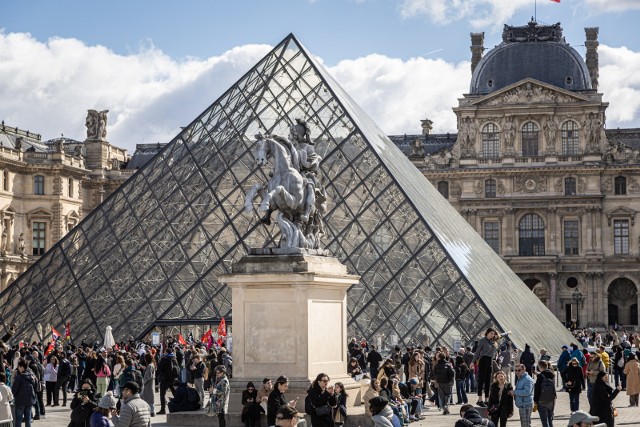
[(533, 51)]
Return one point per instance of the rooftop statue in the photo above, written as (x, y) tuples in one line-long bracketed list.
[(293, 191), (96, 123)]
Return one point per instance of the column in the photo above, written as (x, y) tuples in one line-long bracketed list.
[(553, 278), (510, 233)]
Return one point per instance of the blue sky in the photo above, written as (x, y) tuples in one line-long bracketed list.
[(157, 64)]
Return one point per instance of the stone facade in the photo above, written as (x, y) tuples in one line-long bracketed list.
[(534, 171), (46, 188)]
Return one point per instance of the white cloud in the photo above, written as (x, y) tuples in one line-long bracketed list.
[(607, 6), (479, 13), (620, 83), (47, 88)]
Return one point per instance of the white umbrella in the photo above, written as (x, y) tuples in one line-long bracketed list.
[(108, 338)]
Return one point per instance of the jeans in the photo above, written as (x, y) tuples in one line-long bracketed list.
[(470, 382), (23, 412), (462, 395), (39, 403), (546, 415), (574, 401), (619, 377), (199, 383)]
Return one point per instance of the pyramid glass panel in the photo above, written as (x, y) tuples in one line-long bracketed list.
[(151, 253)]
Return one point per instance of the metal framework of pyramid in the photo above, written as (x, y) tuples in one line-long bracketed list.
[(152, 252)]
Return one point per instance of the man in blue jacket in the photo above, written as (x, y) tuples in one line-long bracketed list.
[(523, 394), (563, 362)]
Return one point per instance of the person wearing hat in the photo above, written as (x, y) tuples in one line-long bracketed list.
[(287, 416), (581, 419), (134, 411), (101, 416), (563, 362)]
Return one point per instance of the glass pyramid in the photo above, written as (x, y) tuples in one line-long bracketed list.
[(152, 251)]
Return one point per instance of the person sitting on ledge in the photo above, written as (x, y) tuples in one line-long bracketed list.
[(185, 398)]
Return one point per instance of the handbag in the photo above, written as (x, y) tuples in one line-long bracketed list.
[(323, 411), (337, 416)]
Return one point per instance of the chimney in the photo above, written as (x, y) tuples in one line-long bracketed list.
[(592, 55), (477, 48), (427, 125)]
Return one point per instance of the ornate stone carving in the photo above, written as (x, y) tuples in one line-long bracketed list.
[(96, 124), (550, 128), (530, 185), (417, 149), (620, 153), (509, 133), (607, 185), (455, 189), (500, 187), (478, 187), (529, 93), (440, 160), (558, 186), (467, 131), (532, 32), (293, 191), (632, 185), (592, 130), (582, 185)]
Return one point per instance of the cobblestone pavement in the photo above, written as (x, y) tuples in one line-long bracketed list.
[(59, 416)]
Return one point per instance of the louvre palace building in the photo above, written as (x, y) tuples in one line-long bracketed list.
[(535, 171), (137, 242)]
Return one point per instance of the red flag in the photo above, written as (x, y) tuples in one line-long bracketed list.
[(181, 339), (55, 335), (49, 348), (556, 1), (222, 328), (205, 337), (67, 331)]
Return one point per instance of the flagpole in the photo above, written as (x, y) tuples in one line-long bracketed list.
[(535, 10)]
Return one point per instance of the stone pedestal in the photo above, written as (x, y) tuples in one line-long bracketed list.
[(289, 318)]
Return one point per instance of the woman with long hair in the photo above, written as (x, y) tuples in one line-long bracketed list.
[(574, 384), (148, 383), (372, 391), (322, 398), (250, 406), (118, 368), (220, 390), (500, 402), (103, 373), (340, 408), (484, 354), (276, 399), (386, 370), (603, 396), (416, 368)]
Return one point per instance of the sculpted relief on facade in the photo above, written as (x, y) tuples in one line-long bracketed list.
[(530, 184), (529, 93)]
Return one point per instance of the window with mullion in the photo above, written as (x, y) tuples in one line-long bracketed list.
[(570, 138), (443, 188), (571, 237), (490, 188), (531, 229), (492, 235), (530, 139), (620, 186), (569, 186), (621, 237), (39, 236), (490, 141)]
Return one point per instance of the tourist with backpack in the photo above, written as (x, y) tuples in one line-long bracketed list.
[(470, 417), (131, 374), (544, 393), (594, 366)]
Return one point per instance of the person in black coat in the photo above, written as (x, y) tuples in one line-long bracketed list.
[(603, 396), (500, 403), (575, 380), (276, 399), (527, 359), (82, 405), (320, 395), (471, 416), (250, 406)]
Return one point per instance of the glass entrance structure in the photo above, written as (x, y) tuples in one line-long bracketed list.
[(151, 253)]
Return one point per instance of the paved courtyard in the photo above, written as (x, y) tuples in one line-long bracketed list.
[(59, 417)]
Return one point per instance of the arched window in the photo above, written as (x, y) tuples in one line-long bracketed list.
[(490, 188), (5, 180), (443, 188), (490, 141), (570, 138), (531, 230), (620, 185), (38, 184), (569, 186), (530, 139)]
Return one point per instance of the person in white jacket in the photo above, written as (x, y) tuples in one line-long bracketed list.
[(5, 399)]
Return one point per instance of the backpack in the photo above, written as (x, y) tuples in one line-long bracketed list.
[(131, 376), (547, 389)]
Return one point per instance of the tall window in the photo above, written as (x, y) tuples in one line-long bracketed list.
[(38, 184), (5, 180), (570, 138), (490, 141), (492, 235), (490, 188), (39, 236), (621, 237), (70, 189), (569, 186), (443, 188), (571, 237), (530, 139), (620, 185), (531, 235)]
